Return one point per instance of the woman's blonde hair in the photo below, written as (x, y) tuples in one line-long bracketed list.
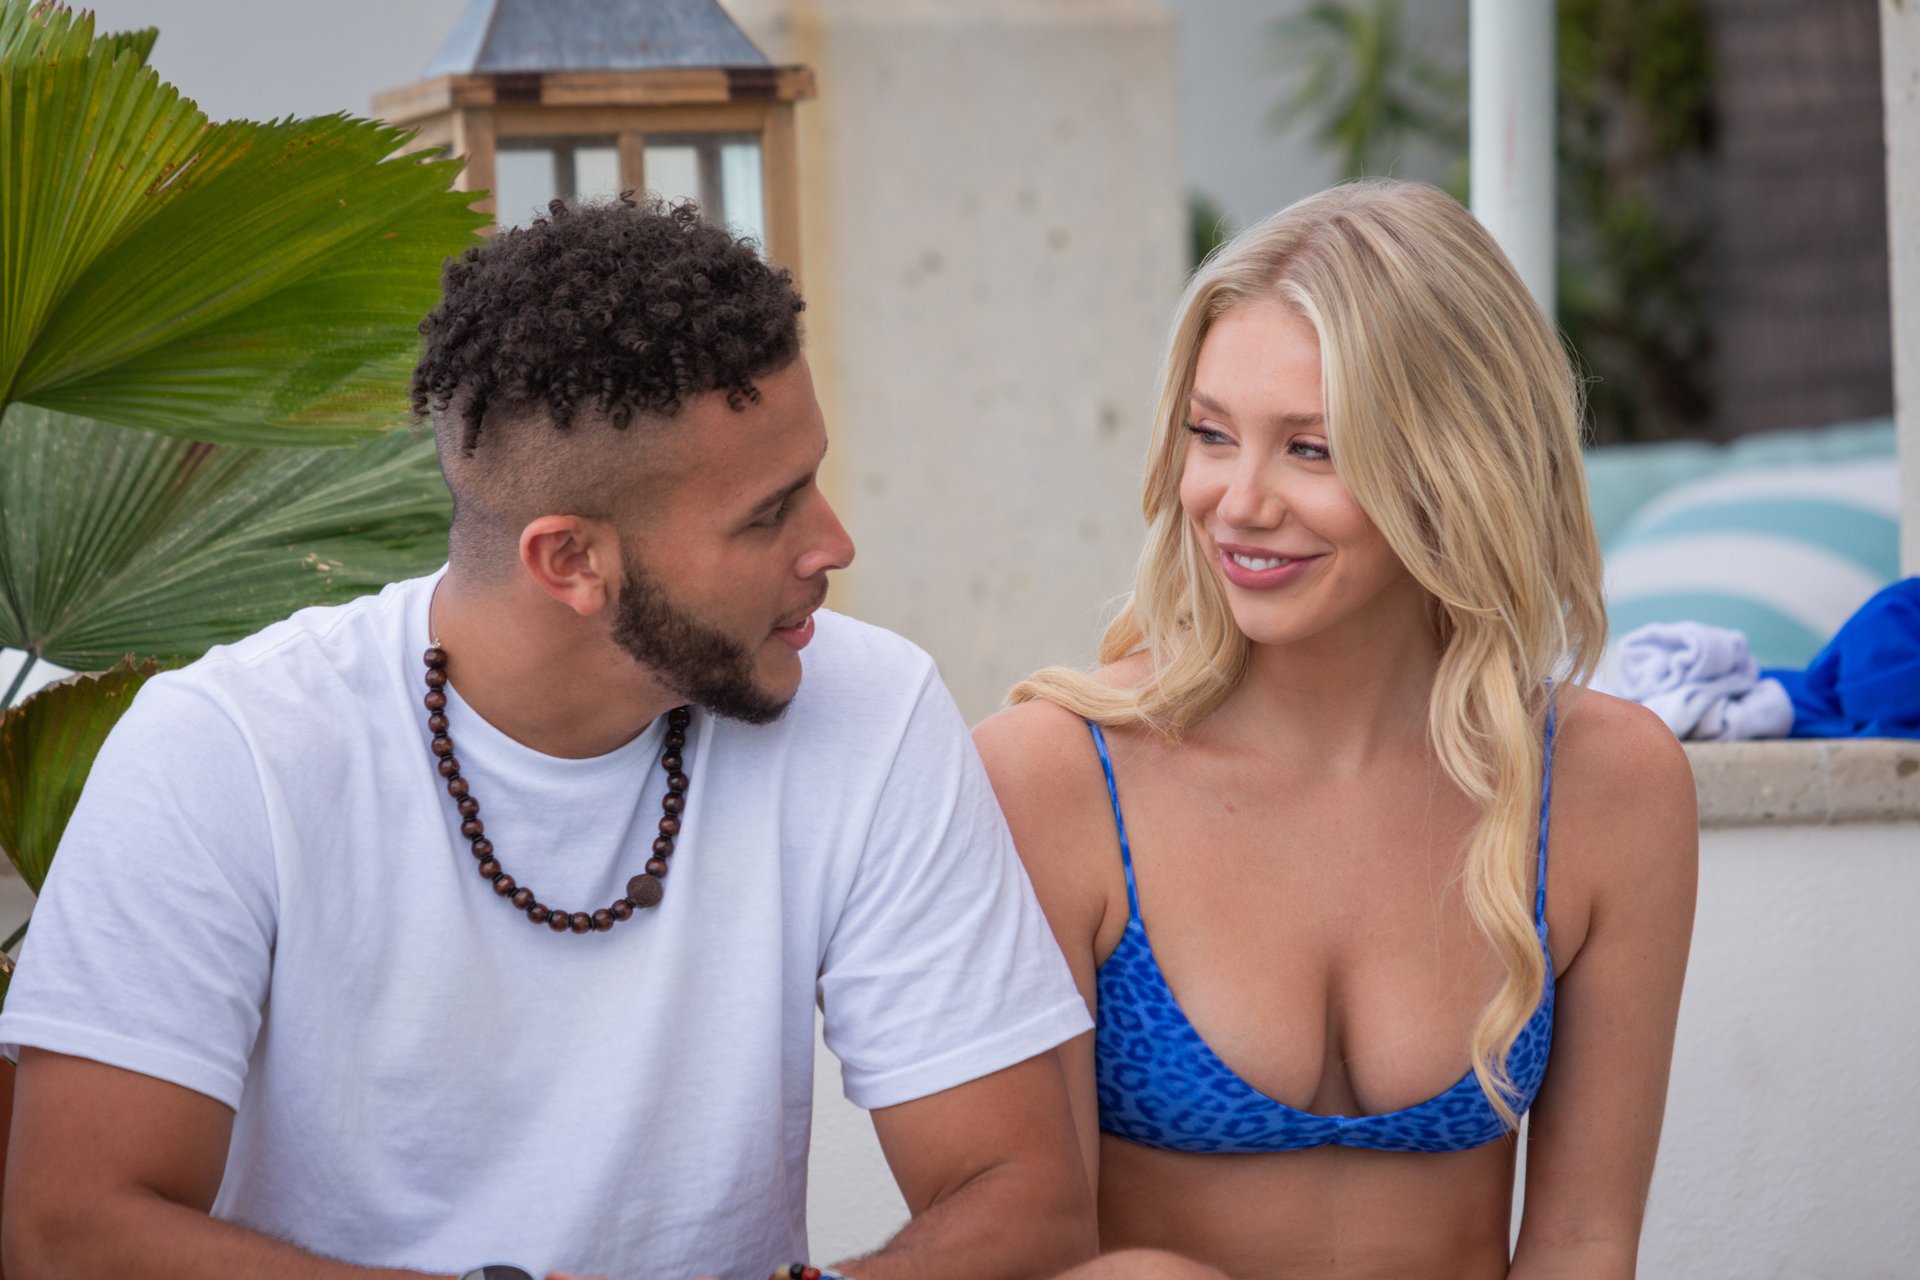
[(1453, 417)]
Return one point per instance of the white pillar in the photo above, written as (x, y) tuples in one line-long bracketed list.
[(1900, 58), (1510, 67)]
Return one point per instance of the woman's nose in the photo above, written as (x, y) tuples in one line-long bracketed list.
[(1252, 499)]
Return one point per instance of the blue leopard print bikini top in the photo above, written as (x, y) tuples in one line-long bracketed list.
[(1161, 1086)]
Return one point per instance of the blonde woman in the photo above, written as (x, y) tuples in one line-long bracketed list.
[(1350, 868)]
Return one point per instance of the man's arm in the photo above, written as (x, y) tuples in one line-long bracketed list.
[(992, 1174), (111, 1176)]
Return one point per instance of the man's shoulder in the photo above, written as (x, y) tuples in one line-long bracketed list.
[(302, 665)]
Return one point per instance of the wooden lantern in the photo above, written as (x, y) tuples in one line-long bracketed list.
[(581, 98)]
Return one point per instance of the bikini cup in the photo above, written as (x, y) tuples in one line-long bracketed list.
[(1160, 1085)]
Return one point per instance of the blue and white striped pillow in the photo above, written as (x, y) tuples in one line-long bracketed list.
[(1783, 553)]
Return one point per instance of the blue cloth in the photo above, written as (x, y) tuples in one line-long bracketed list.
[(1866, 682), (1159, 1083)]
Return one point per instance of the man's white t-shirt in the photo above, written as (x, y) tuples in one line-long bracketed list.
[(263, 896)]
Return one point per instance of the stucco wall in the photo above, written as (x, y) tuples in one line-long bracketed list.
[(992, 245), (1792, 1126)]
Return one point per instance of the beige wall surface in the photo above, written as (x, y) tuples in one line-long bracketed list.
[(992, 231)]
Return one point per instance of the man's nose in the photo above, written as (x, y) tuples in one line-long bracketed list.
[(831, 548)]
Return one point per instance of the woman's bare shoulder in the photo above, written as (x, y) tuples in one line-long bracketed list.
[(1611, 746), (1039, 739), (1028, 736), (1622, 780), (1047, 778)]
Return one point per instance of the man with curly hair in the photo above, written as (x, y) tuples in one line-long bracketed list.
[(307, 1040)]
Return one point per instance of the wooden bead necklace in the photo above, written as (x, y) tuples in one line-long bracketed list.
[(643, 891)]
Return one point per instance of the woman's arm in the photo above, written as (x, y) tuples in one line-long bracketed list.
[(1626, 835), (1047, 779)]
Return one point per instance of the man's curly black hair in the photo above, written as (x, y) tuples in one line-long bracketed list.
[(618, 307)]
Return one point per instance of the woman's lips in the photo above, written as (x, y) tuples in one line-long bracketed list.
[(1265, 579)]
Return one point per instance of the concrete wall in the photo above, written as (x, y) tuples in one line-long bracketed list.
[(1792, 1125), (992, 245)]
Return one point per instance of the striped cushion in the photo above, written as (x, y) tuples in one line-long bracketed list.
[(1783, 553)]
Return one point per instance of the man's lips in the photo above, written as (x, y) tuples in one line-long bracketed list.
[(799, 630), (798, 635)]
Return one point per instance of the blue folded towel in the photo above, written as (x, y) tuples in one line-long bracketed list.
[(1866, 682)]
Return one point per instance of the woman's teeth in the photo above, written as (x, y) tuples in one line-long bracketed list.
[(1258, 562)]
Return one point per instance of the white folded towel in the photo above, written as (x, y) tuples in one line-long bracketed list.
[(1702, 681), (1764, 711)]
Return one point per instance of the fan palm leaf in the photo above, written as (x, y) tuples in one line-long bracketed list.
[(115, 541), (241, 283)]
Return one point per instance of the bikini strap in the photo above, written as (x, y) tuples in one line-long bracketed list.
[(1119, 822), (1546, 801)]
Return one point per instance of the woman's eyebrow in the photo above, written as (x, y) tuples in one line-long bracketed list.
[(1206, 401)]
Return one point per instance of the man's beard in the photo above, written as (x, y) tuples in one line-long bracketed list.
[(693, 660)]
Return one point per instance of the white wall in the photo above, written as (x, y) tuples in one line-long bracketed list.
[(1793, 1125), (992, 246)]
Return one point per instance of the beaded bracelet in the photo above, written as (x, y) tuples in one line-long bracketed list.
[(801, 1271)]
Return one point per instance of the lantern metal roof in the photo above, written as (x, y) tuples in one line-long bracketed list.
[(507, 37)]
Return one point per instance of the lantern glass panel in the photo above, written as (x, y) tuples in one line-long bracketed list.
[(719, 170), (740, 193), (529, 172), (596, 171), (673, 171), (522, 184)]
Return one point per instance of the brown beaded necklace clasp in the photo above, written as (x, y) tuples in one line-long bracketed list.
[(643, 891)]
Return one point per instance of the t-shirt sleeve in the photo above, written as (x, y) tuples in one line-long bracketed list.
[(152, 940), (941, 968)]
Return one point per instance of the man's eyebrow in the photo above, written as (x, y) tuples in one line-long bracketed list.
[(779, 496), (773, 500), (1206, 401)]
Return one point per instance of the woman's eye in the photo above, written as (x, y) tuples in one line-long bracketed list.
[(1311, 450), (1207, 435)]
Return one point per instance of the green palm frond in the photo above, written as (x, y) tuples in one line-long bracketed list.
[(139, 43), (1360, 88), (115, 541), (47, 746), (241, 282)]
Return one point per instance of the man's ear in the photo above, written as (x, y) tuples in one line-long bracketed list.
[(574, 560)]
